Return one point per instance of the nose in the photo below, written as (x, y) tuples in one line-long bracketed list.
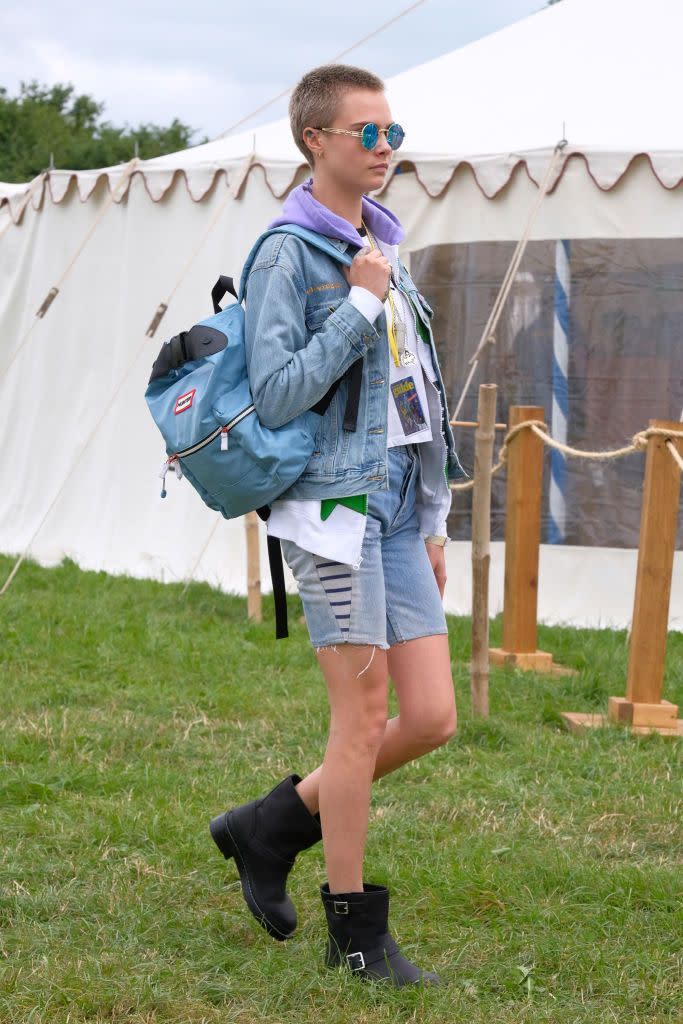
[(383, 148)]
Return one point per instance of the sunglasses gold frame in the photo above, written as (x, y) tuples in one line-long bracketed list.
[(359, 135)]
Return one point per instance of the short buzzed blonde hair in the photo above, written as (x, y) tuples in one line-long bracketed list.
[(316, 97)]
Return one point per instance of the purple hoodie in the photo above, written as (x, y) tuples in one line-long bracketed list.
[(301, 207)]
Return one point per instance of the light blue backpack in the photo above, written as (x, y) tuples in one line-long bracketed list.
[(200, 399)]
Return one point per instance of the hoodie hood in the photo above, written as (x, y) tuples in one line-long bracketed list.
[(300, 207)]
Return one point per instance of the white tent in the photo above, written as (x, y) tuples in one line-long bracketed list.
[(80, 452)]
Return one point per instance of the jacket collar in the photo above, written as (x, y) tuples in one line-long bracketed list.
[(340, 244)]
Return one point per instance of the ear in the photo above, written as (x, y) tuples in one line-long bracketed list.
[(310, 136)]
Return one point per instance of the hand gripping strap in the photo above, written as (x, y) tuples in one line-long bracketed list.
[(319, 241)]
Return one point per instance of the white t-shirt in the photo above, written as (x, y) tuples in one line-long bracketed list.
[(408, 413)]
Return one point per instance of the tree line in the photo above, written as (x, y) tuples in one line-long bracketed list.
[(46, 126)]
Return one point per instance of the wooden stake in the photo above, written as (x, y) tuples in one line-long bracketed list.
[(643, 709), (658, 522), (522, 548), (481, 546), (253, 567)]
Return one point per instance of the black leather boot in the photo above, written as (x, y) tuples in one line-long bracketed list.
[(358, 936), (264, 837)]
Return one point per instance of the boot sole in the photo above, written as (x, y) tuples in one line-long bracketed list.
[(225, 841), (396, 978), (369, 978)]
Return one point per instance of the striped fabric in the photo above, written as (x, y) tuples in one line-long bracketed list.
[(336, 580)]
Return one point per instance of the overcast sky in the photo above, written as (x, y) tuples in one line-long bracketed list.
[(210, 65)]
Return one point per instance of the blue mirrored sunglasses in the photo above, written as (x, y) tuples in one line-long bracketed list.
[(369, 136)]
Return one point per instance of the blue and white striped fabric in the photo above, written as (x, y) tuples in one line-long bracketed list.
[(336, 580), (560, 407)]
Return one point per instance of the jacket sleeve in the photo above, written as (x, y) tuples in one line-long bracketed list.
[(288, 370)]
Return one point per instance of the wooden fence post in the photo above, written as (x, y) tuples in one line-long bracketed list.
[(481, 546), (251, 526), (643, 708), (522, 547)]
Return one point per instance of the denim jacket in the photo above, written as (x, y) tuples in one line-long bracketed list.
[(301, 335)]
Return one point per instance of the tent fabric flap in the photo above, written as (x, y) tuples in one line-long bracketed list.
[(491, 173)]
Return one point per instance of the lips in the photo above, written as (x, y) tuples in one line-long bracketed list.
[(380, 167)]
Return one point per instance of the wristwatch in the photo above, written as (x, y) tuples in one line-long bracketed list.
[(433, 539)]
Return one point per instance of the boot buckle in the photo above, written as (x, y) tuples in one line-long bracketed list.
[(340, 907), (359, 965)]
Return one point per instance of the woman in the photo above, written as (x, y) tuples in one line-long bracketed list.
[(363, 529)]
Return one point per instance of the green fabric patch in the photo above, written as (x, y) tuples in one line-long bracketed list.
[(422, 330), (356, 502)]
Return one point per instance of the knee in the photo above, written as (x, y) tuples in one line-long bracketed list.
[(449, 729), (369, 728), (436, 731), (362, 737)]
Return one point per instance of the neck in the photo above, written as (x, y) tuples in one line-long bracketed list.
[(345, 203)]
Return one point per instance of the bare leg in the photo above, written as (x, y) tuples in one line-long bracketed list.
[(357, 683), (420, 670)]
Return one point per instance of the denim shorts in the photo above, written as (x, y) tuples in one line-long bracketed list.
[(393, 596)]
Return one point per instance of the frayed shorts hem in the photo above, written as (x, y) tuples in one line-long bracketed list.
[(360, 642), (382, 644)]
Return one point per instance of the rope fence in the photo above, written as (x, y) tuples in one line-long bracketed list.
[(540, 429), (643, 708)]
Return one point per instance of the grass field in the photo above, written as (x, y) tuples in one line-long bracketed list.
[(540, 873)]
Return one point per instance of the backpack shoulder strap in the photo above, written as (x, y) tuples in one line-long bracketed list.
[(312, 237), (354, 372), (319, 241)]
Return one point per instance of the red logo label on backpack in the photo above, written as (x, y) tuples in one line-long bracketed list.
[(184, 402)]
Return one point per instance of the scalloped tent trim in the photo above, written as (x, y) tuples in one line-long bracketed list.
[(498, 104), (492, 173)]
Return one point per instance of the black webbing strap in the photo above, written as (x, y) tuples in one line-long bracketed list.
[(277, 572), (354, 375), (171, 354), (277, 576), (178, 352), (321, 405), (223, 284)]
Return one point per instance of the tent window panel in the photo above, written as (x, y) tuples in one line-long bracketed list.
[(625, 361)]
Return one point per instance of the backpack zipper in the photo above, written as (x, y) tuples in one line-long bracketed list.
[(172, 461), (223, 431)]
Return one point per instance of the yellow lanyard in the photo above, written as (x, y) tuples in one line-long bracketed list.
[(392, 331)]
